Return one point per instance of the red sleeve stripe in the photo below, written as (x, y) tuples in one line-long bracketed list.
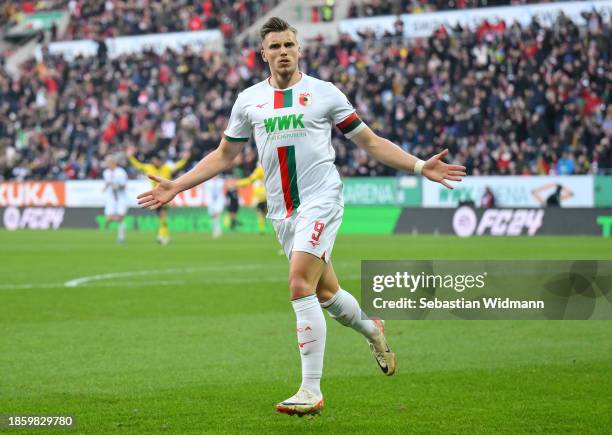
[(350, 123)]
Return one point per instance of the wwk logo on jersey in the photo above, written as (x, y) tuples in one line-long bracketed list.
[(284, 122)]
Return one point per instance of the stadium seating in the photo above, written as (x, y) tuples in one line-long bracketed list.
[(11, 11), (370, 8), (504, 101), (128, 17)]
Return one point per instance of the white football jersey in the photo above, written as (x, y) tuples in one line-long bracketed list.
[(117, 178), (292, 129)]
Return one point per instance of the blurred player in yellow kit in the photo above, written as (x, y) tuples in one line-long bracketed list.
[(259, 195), (161, 169)]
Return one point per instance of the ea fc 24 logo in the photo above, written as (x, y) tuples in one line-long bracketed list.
[(497, 222)]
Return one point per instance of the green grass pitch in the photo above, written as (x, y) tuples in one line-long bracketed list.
[(198, 336)]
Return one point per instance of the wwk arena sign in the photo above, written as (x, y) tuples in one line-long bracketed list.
[(518, 192)]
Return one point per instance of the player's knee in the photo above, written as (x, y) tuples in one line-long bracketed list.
[(299, 286)]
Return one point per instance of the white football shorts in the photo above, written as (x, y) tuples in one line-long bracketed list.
[(216, 207), (313, 229), (116, 207)]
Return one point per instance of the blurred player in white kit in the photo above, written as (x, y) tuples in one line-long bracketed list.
[(115, 181), (214, 192)]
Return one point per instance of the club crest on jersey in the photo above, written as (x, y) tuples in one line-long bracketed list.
[(305, 99)]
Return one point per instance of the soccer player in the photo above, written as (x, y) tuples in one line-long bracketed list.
[(233, 205), (115, 181), (259, 195), (158, 168), (215, 203), (291, 116)]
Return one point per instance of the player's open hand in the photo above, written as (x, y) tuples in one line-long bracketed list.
[(436, 170), (161, 194)]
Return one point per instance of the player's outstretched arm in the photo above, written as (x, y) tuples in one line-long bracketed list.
[(391, 155), (213, 164), (131, 155)]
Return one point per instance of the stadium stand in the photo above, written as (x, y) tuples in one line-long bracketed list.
[(504, 101), (12, 11), (383, 7), (134, 17)]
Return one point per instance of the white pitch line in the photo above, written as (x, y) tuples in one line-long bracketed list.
[(30, 286), (139, 283), (107, 284), (270, 279), (154, 283), (87, 279)]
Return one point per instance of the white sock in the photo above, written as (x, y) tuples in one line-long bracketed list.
[(345, 309), (311, 330), (121, 230)]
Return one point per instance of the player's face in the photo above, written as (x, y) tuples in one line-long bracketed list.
[(156, 162), (111, 164), (281, 51)]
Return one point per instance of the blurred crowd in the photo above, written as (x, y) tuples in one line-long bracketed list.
[(503, 100), (60, 119), (111, 18), (370, 8), (11, 11), (90, 19)]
